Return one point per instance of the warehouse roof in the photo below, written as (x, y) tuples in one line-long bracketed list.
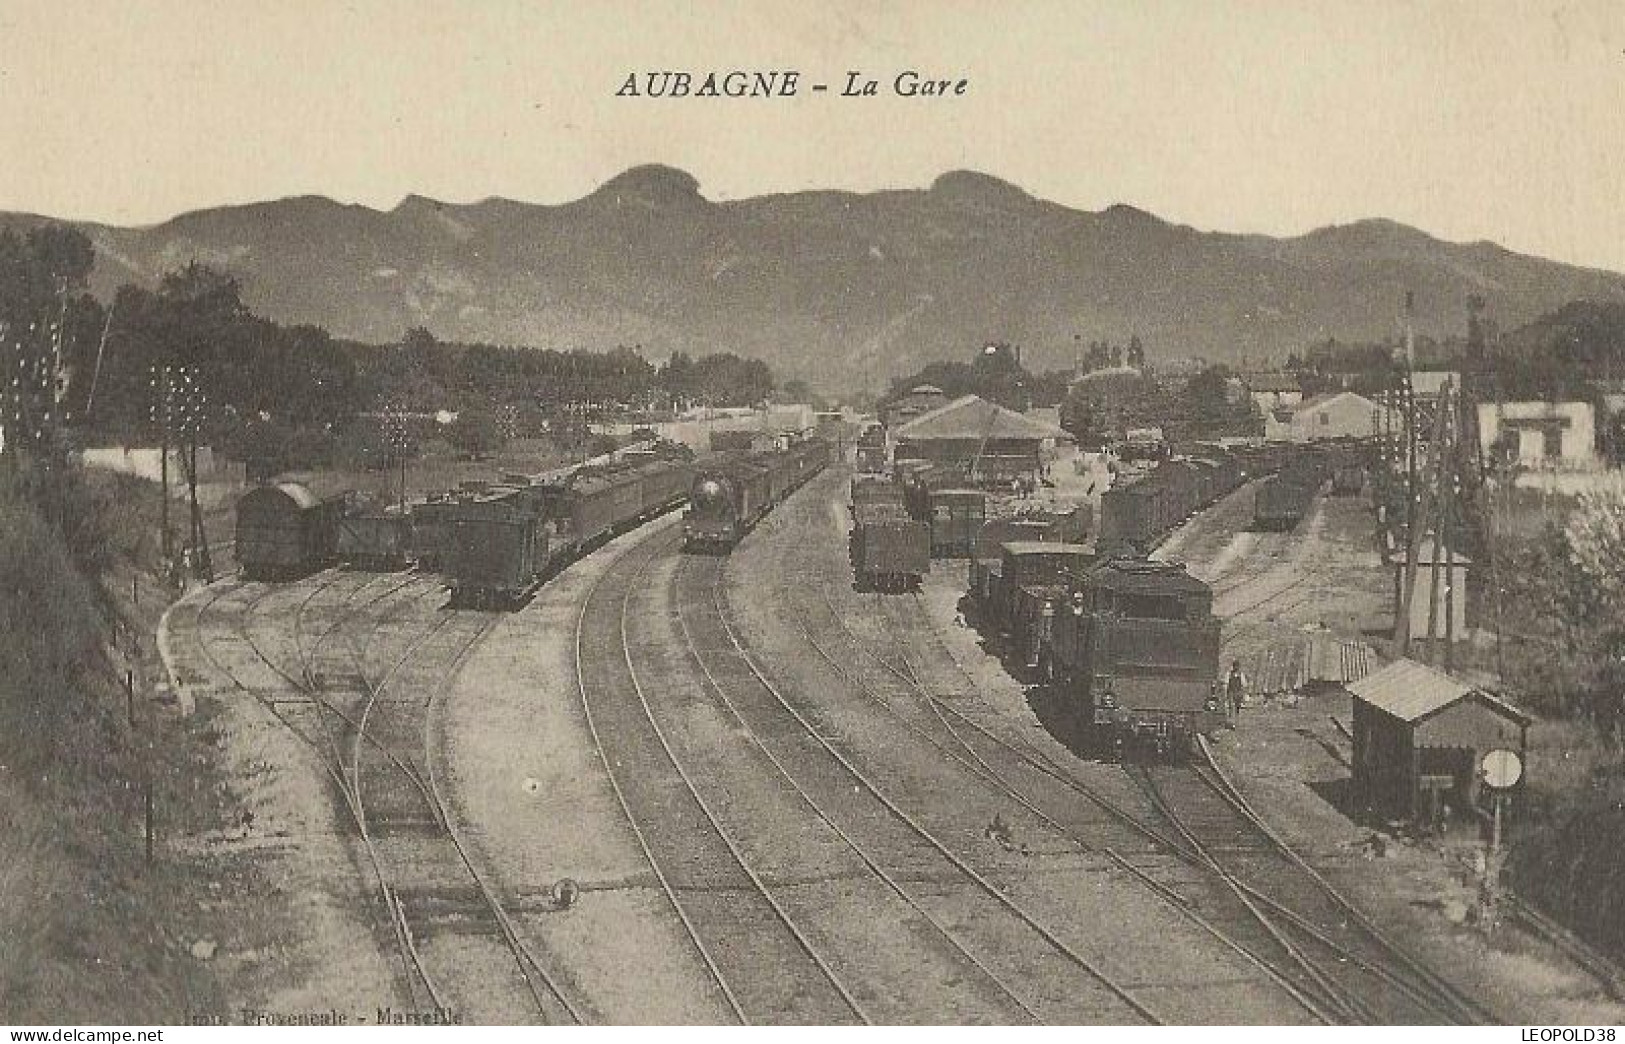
[(970, 417), (1411, 691)]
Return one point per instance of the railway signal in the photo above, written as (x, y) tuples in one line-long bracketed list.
[(1500, 770)]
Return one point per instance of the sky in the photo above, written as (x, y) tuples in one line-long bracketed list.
[(1489, 119)]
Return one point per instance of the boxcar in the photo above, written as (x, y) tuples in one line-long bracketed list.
[(996, 533), (1281, 503), (493, 560), (956, 517), (373, 537), (891, 550), (1024, 563), (285, 530), (432, 520), (874, 489)]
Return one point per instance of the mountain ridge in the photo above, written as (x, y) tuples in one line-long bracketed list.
[(836, 286)]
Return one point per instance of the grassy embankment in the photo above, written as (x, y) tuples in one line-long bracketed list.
[(90, 931)]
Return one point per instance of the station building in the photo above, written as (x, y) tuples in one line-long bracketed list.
[(971, 434)]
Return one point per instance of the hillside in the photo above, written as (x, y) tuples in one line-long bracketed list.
[(833, 284)]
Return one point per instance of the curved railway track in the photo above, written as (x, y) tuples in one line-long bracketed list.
[(762, 965), (1266, 929), (995, 935), (1307, 921), (375, 745), (951, 725), (1366, 976)]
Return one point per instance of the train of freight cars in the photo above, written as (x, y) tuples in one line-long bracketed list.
[(1131, 646), (732, 492)]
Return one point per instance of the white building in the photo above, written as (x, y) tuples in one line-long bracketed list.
[(1556, 435), (1336, 415)]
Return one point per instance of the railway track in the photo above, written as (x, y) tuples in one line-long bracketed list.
[(1229, 829), (373, 734), (957, 726), (763, 967), (1036, 974), (1262, 926)]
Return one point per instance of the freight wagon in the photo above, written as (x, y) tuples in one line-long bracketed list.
[(285, 530), (890, 550), (495, 559), (956, 518), (1282, 500), (374, 537), (871, 451), (1138, 513), (1023, 563)]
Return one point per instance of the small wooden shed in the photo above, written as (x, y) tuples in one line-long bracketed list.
[(1419, 736)]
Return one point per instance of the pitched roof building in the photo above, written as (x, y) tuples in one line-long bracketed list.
[(990, 444), (1420, 735), (1334, 415)]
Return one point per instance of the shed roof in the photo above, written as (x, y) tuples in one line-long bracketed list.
[(1411, 691), (970, 417)]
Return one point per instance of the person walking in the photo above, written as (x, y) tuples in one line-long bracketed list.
[(1235, 689)]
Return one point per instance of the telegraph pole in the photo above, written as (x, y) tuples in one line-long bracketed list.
[(161, 413), (393, 426), (191, 416)]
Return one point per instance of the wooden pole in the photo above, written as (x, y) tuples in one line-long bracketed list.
[(163, 473), (1449, 607), (1420, 513)]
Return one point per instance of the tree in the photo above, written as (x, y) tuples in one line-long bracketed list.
[(476, 432), (1136, 352), (419, 338)]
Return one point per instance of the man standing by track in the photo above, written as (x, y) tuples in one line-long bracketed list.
[(1235, 690)]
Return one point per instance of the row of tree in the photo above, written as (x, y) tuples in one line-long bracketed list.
[(1102, 406), (424, 373), (995, 374), (96, 369)]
